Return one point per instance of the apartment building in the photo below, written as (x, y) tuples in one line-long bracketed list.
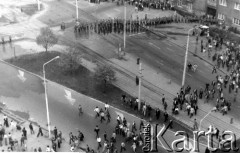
[(229, 12)]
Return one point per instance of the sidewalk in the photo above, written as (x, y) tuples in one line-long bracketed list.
[(32, 142)]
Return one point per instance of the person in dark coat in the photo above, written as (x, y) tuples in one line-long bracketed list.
[(24, 132), (31, 128), (40, 131), (55, 132)]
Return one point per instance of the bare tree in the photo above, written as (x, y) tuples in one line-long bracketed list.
[(46, 38), (105, 74)]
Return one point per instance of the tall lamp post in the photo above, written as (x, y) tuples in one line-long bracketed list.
[(124, 26), (139, 86), (186, 57), (38, 5), (46, 97), (77, 10)]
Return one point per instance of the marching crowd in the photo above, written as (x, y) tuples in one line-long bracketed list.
[(134, 26)]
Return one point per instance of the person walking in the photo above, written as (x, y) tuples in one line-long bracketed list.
[(102, 115), (55, 132), (195, 124), (22, 140), (71, 138), (99, 143), (5, 121), (39, 131), (165, 116), (97, 110), (123, 148), (108, 117), (97, 131), (80, 111), (105, 136), (31, 128), (24, 132), (214, 69), (106, 107), (134, 147), (134, 127)]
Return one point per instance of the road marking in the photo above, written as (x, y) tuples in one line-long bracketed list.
[(154, 45), (160, 62), (68, 96), (200, 71), (170, 49), (168, 44), (136, 34), (21, 75), (186, 72)]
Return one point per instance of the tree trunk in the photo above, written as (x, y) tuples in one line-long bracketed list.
[(105, 86)]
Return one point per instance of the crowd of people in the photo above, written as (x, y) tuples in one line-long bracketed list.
[(9, 138), (134, 26), (130, 133)]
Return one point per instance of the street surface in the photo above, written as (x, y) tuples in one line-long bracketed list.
[(27, 95), (162, 56)]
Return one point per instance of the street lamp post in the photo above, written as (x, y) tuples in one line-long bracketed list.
[(124, 32), (77, 10), (139, 86), (186, 56), (38, 5), (46, 97), (204, 118)]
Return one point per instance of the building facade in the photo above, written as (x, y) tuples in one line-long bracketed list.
[(197, 7), (228, 11)]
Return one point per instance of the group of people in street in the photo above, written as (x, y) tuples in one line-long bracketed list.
[(123, 129), (8, 138)]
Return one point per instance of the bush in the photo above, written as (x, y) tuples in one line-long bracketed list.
[(226, 35)]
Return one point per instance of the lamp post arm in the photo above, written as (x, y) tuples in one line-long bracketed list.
[(203, 119)]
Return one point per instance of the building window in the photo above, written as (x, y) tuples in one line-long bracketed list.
[(236, 21), (223, 2), (221, 16), (237, 6), (190, 6)]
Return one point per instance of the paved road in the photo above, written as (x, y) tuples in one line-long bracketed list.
[(166, 57), (28, 96)]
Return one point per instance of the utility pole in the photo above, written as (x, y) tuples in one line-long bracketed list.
[(139, 86), (77, 10), (130, 25), (38, 5), (185, 60), (124, 32)]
